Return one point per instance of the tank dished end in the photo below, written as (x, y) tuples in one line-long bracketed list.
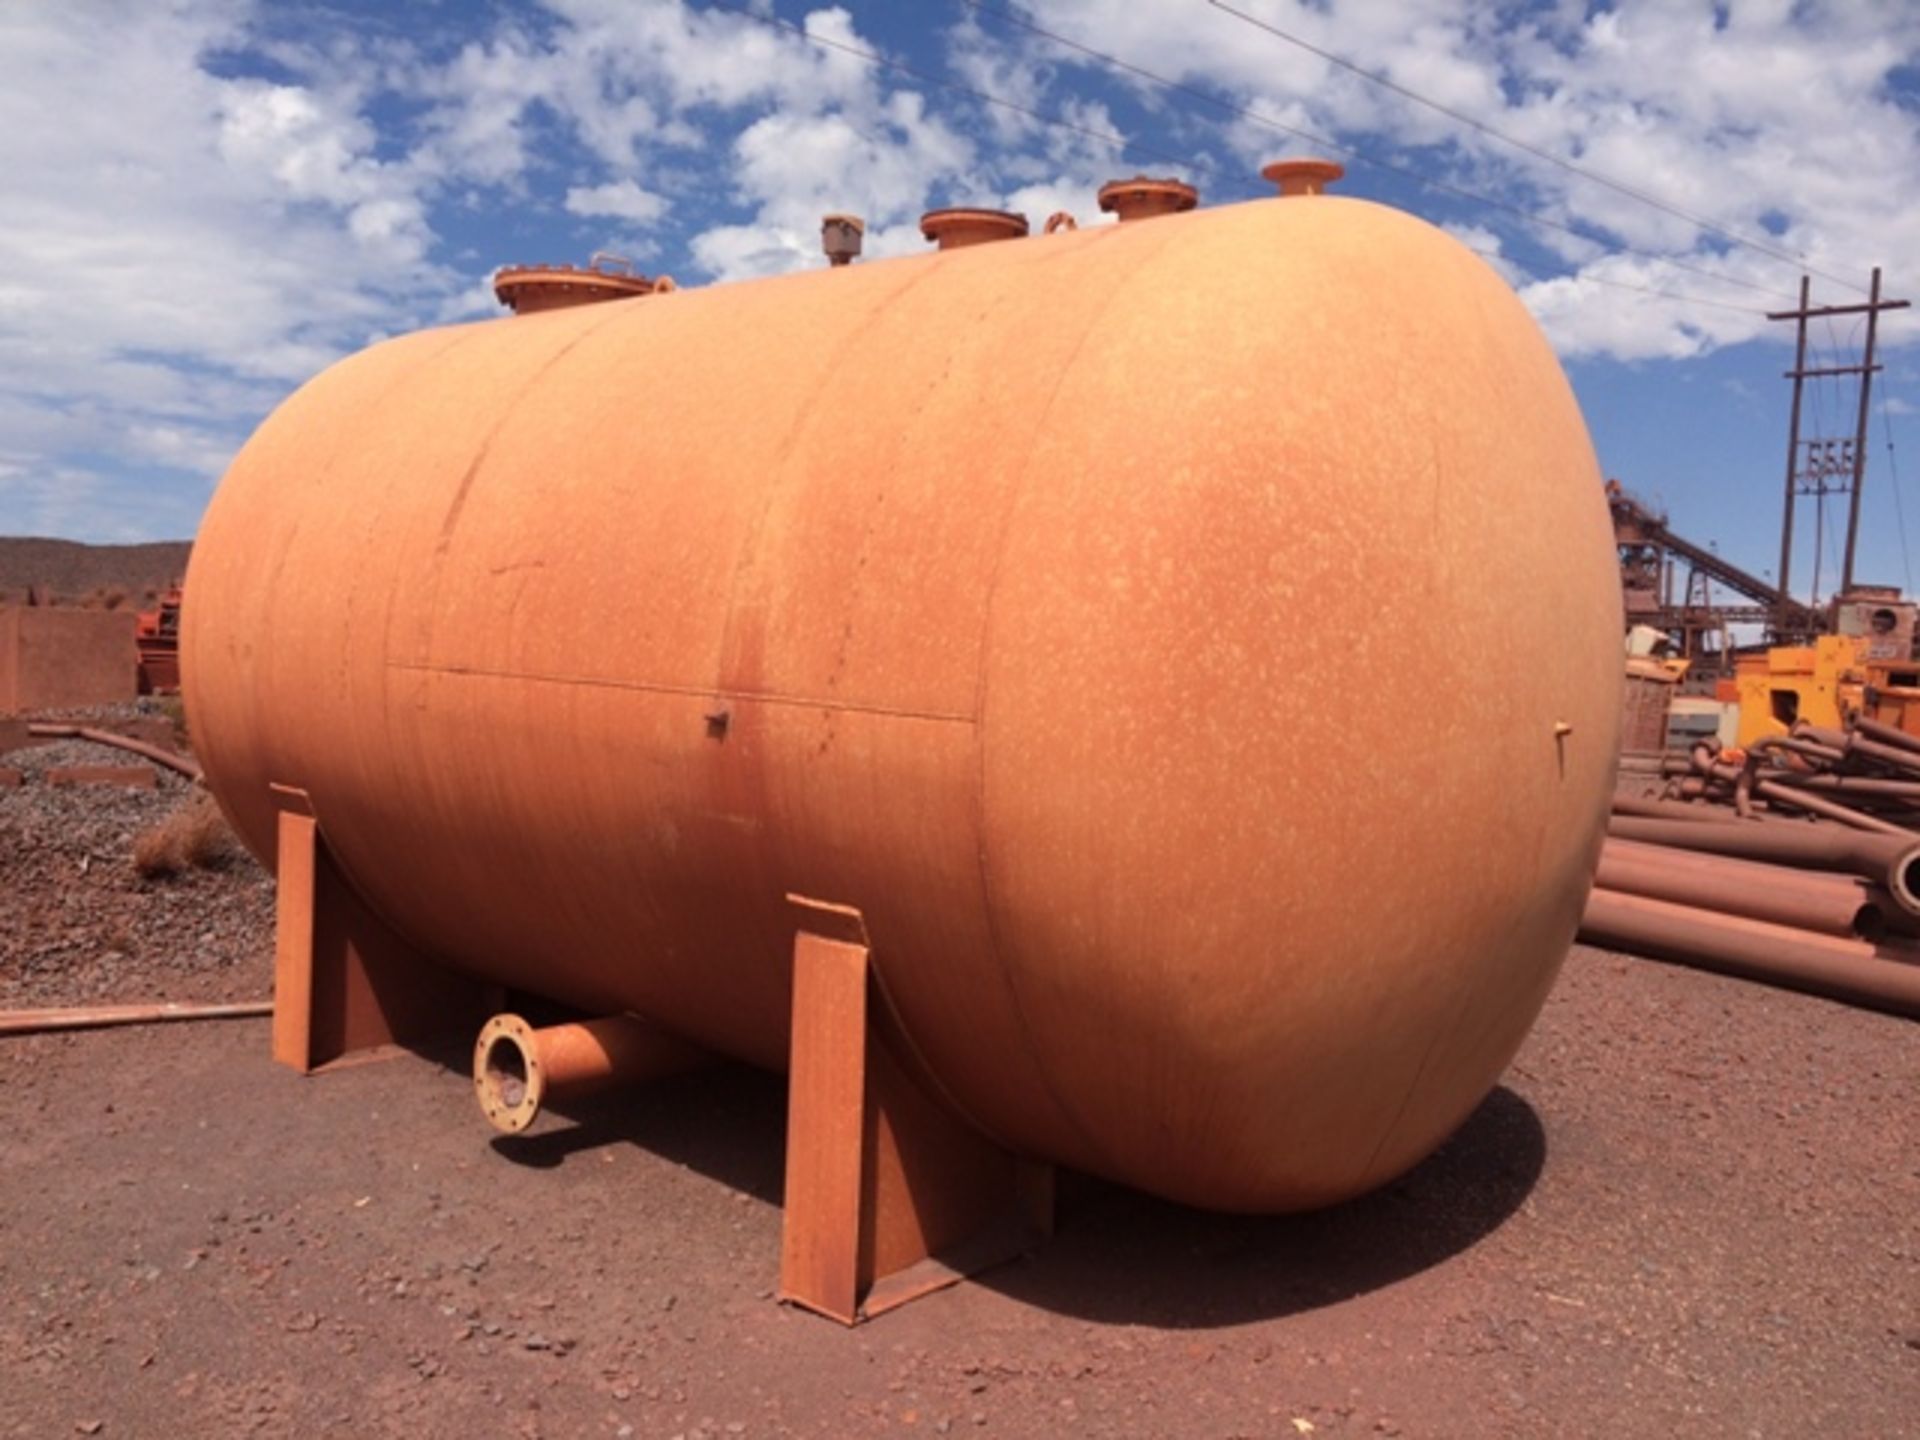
[(508, 1077)]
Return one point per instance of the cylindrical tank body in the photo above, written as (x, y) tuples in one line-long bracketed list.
[(1194, 645)]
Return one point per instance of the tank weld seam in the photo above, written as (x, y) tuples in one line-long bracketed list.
[(1076, 1123), (344, 871), (450, 521), (747, 552), (922, 1069), (1436, 572), (1406, 1100), (764, 697)]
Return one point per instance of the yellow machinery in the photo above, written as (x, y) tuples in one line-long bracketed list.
[(1821, 683), (1893, 696)]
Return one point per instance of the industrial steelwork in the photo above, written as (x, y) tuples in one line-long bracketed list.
[(1863, 774), (99, 1017), (1747, 898), (1827, 904), (914, 671), (156, 638), (1649, 554), (1891, 861), (1849, 970)]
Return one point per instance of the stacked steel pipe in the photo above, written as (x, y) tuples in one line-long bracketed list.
[(1795, 861)]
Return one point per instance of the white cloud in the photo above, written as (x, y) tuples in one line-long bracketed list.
[(181, 243), (618, 200), (743, 252), (480, 100), (1490, 248), (807, 128), (180, 247), (1774, 121)]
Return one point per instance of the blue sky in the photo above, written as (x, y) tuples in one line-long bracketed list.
[(205, 201)]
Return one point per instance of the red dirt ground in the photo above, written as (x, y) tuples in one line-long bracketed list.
[(1692, 1209)]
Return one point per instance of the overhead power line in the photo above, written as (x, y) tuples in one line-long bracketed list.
[(1236, 183), (1589, 278), (1893, 480), (874, 58), (1373, 77), (1669, 294), (1362, 157)]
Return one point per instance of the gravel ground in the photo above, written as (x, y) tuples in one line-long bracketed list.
[(81, 926), (1691, 1209)]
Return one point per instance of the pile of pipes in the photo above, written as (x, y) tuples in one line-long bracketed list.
[(1795, 861), (1866, 776)]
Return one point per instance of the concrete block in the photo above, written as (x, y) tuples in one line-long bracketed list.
[(52, 657), (134, 777)]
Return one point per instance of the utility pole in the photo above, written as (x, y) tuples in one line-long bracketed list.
[(1819, 465), (1799, 375), (1867, 367)]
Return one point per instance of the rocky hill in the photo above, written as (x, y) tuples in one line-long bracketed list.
[(66, 572)]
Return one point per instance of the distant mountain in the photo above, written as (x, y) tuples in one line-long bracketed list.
[(68, 573)]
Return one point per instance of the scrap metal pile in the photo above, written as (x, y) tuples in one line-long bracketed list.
[(1795, 861)]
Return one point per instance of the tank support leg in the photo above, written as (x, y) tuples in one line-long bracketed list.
[(889, 1195), (344, 985)]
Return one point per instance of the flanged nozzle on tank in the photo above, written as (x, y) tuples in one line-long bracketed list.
[(1143, 197), (1304, 176), (840, 237), (960, 226), (532, 289)]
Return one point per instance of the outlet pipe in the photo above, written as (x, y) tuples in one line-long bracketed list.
[(518, 1068)]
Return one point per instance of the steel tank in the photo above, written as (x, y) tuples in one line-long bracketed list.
[(1192, 643)]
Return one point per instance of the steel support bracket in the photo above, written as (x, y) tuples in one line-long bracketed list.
[(889, 1194), (344, 985)]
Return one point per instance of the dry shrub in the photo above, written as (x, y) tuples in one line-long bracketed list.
[(196, 836), (175, 710)]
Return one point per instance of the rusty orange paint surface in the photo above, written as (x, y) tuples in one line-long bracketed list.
[(54, 657), (997, 592)]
